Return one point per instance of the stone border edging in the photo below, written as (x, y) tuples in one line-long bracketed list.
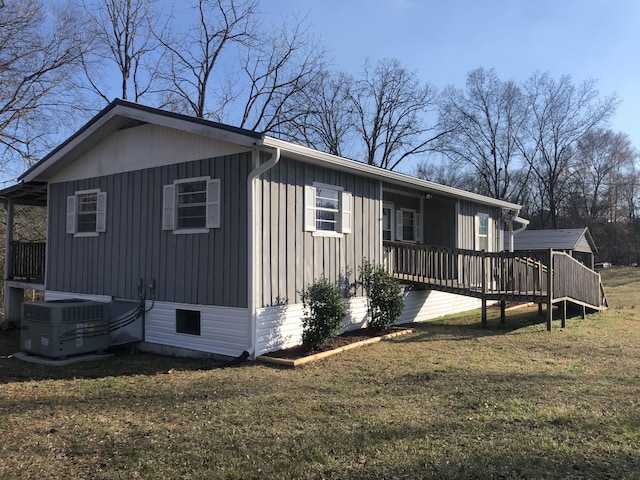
[(284, 362)]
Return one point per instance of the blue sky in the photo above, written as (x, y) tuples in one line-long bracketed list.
[(445, 39)]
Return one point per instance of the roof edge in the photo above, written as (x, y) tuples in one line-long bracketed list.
[(386, 175), (127, 108)]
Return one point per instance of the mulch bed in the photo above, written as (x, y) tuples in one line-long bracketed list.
[(346, 338)]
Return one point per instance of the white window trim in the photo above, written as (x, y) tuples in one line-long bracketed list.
[(417, 225), (170, 206), (345, 211), (488, 235), (101, 213), (392, 220)]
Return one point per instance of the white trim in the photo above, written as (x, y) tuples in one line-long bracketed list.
[(392, 216), (168, 207), (101, 213), (477, 234), (71, 215), (346, 212), (343, 216), (309, 208), (212, 205), (400, 225), (326, 233)]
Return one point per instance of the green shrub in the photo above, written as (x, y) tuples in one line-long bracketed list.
[(384, 295), (325, 313)]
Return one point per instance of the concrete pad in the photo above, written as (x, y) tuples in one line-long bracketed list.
[(55, 362)]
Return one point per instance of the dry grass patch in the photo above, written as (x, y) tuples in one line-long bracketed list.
[(452, 400)]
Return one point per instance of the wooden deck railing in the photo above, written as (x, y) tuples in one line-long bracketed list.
[(539, 276), (571, 279), (495, 275), (27, 261)]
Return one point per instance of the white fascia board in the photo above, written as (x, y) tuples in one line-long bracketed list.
[(314, 156), (185, 125), (67, 148)]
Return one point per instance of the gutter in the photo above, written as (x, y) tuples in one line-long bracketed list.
[(512, 217), (299, 152), (251, 244)]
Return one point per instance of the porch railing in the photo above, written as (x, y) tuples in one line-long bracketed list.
[(497, 275), (479, 274), (571, 279), (27, 261)]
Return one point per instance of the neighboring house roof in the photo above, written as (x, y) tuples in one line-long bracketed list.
[(576, 239), (121, 114)]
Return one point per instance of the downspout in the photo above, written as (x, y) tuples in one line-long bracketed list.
[(524, 223), (252, 268)]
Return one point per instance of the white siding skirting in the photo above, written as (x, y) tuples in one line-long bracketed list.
[(226, 331), (223, 330), (281, 326), (421, 305)]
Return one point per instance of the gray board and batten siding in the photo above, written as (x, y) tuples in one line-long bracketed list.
[(467, 224), (292, 257), (200, 268)]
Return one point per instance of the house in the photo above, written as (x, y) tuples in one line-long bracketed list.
[(577, 242), (218, 229)]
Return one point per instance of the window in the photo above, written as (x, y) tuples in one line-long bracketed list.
[(86, 213), (188, 321), (408, 225), (387, 222), (327, 210), (192, 205), (482, 228)]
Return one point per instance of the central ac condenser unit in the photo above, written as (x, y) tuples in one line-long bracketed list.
[(59, 328)]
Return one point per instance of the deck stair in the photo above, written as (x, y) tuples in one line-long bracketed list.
[(548, 277)]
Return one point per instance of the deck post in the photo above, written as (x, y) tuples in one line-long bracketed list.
[(540, 309), (502, 312), (8, 239), (484, 289), (584, 311), (564, 314), (550, 290)]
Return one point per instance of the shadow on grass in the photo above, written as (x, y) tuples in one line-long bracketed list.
[(469, 326), (125, 361)]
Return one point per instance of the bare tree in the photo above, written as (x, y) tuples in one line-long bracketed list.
[(125, 34), (390, 104), (446, 173), (604, 164), (282, 63), (559, 115), (195, 58), (326, 120), (484, 123), (39, 53)]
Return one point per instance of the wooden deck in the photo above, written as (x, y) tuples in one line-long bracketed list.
[(547, 277)]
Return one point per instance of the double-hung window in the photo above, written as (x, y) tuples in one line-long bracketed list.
[(482, 232), (327, 210), (387, 222), (86, 213), (192, 205), (408, 227)]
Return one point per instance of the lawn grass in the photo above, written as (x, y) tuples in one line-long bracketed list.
[(452, 400)]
